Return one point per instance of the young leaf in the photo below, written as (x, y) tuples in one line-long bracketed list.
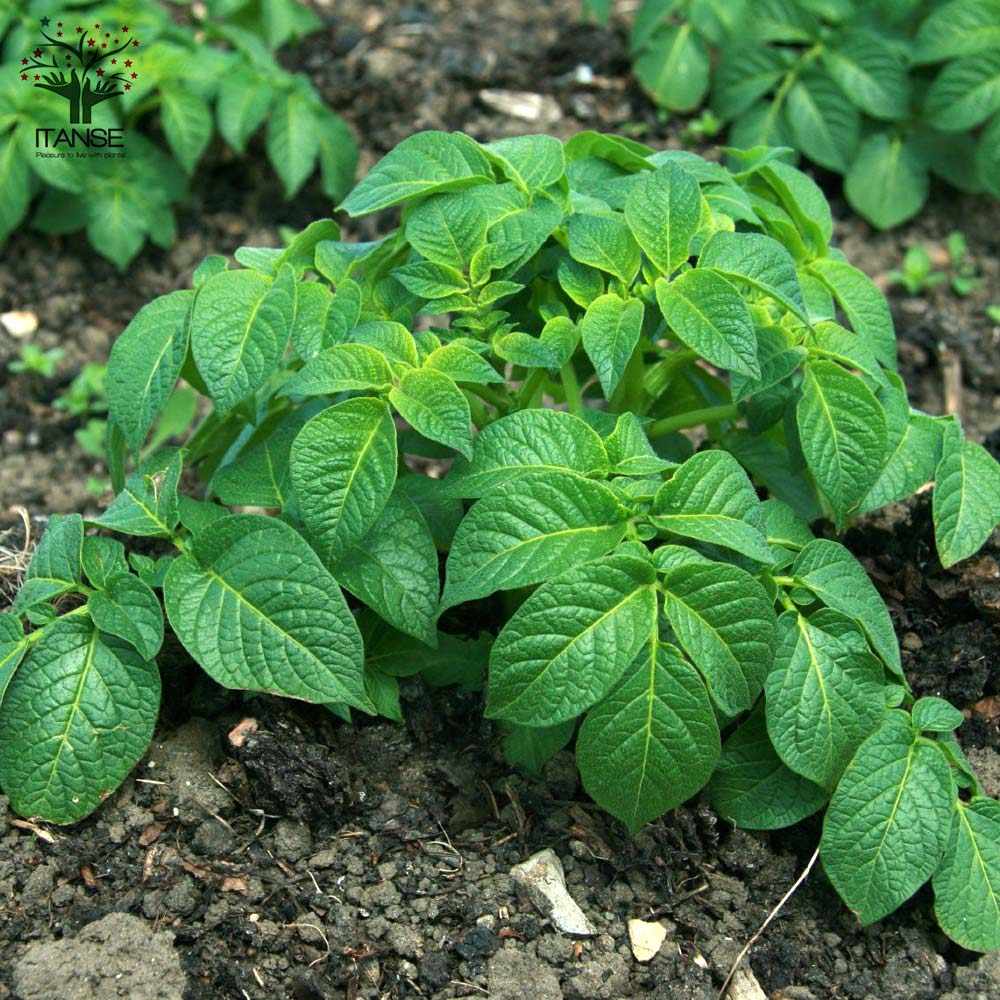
[(652, 742), (551, 349), (823, 124), (240, 326), (842, 429), (293, 140), (76, 717), (342, 368), (254, 606), (889, 819), (531, 530), (967, 883), (610, 331), (725, 622), (423, 163), (674, 67), (828, 570), (935, 715), (462, 364), (531, 747), (394, 569), (447, 228), (145, 362), (824, 697), (604, 242), (187, 124), (965, 93), (392, 339), (869, 71), (909, 466), (753, 788), (629, 450), (13, 646), (530, 161), (710, 498), (147, 506), (343, 468), (887, 181), (527, 441), (55, 564), (966, 501), (663, 210), (102, 558), (569, 642), (244, 100), (708, 314), (959, 28), (434, 406), (130, 610)]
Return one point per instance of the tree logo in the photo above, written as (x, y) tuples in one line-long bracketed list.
[(94, 58)]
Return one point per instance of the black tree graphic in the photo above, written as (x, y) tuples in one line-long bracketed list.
[(89, 83)]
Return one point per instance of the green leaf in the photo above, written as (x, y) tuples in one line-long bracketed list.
[(869, 71), (935, 715), (604, 242), (551, 349), (13, 646), (343, 468), (323, 319), (244, 100), (187, 124), (430, 280), (15, 181), (130, 610), (118, 217), (76, 717), (673, 67), (783, 526), (707, 313), (988, 157), (530, 161), (394, 569), (863, 304), (663, 210), (743, 75), (420, 165), (824, 696), (570, 641), (383, 690), (342, 368), (726, 623), (147, 506), (532, 747), (889, 820), (259, 477), (753, 788), (710, 498), (145, 363), (102, 558), (392, 339), (965, 93), (55, 566), (758, 261), (629, 450), (828, 570), (610, 331), (447, 228), (960, 28), (967, 883), (842, 429), (823, 124), (252, 603), (527, 441), (239, 328), (293, 140), (831, 341), (652, 742), (910, 465), (966, 500), (462, 364), (338, 154), (434, 406), (531, 530), (887, 182)]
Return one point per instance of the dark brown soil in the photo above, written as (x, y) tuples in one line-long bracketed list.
[(303, 858)]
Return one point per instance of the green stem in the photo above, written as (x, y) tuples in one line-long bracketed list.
[(480, 415), (500, 400), (571, 387), (530, 387), (659, 376), (693, 418)]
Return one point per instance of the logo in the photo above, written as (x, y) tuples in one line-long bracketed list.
[(85, 66)]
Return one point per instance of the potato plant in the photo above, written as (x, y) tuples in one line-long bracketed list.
[(499, 386), (885, 94)]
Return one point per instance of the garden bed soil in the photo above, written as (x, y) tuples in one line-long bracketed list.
[(263, 849)]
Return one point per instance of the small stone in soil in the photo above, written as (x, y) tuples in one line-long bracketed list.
[(543, 881)]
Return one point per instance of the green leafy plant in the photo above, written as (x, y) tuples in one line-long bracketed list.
[(184, 71), (918, 273), (503, 381), (964, 279), (34, 360), (885, 94)]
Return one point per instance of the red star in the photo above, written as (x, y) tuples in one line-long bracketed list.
[(24, 76), (128, 86), (124, 27), (37, 77), (24, 62), (100, 72), (116, 41), (107, 34), (58, 24), (97, 27), (128, 62), (58, 34), (38, 53), (135, 41), (104, 45), (79, 30), (135, 76), (113, 61), (90, 41)]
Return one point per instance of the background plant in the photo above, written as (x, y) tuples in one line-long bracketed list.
[(200, 68), (885, 94), (577, 307)]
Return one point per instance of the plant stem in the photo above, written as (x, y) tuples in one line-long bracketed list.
[(693, 418), (489, 395), (530, 387), (571, 386)]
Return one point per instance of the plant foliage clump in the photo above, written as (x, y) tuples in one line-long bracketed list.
[(885, 94), (196, 72), (543, 324)]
